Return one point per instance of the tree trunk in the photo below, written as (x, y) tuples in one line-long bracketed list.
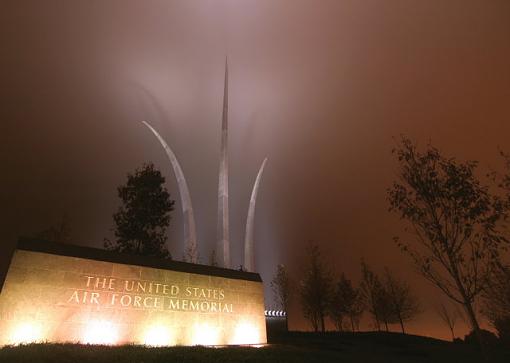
[(323, 325), (468, 307), (471, 313), (402, 325), (315, 322), (386, 324), (453, 334), (377, 322), (352, 324), (472, 316), (339, 324)]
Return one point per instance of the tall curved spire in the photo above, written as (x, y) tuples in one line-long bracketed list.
[(190, 235), (249, 257), (223, 243)]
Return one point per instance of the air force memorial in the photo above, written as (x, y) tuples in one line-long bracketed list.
[(64, 293)]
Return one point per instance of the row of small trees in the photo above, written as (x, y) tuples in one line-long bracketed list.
[(456, 236), (385, 298), (389, 300)]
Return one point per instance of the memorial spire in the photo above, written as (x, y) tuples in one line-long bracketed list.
[(190, 235), (249, 257), (223, 242)]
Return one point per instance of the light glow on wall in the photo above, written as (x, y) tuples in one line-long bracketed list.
[(158, 336), (205, 334), (25, 333), (107, 303), (100, 332), (246, 333)]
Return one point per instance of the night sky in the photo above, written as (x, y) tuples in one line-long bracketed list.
[(321, 88)]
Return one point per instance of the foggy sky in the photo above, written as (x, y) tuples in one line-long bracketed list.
[(319, 87)]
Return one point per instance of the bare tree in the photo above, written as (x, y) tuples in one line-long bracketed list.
[(448, 316), (403, 304), (281, 286), (454, 220), (316, 290)]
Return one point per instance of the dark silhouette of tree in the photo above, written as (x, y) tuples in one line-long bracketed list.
[(346, 304), (371, 291), (141, 221), (337, 309), (496, 302), (496, 296), (385, 307), (454, 220), (403, 304), (355, 310), (503, 180), (449, 316), (316, 289), (57, 233), (281, 286)]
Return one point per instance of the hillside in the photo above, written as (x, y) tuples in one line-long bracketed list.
[(292, 347)]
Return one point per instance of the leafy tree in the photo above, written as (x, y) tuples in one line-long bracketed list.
[(454, 220), (337, 308), (346, 304), (403, 304), (141, 221), (355, 309), (496, 304), (503, 180), (385, 307), (316, 290), (281, 286), (371, 291)]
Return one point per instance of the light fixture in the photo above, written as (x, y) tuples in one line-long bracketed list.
[(25, 333), (205, 334), (100, 332), (245, 333), (158, 336)]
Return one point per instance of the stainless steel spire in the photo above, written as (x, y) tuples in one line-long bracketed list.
[(223, 245), (190, 236), (249, 257)]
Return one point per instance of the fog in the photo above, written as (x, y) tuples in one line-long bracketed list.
[(320, 88)]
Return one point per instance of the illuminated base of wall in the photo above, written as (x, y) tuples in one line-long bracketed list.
[(53, 295), (110, 333)]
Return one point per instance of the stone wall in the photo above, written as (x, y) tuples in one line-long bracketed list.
[(55, 298)]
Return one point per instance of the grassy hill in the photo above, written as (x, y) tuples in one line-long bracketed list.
[(291, 347)]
